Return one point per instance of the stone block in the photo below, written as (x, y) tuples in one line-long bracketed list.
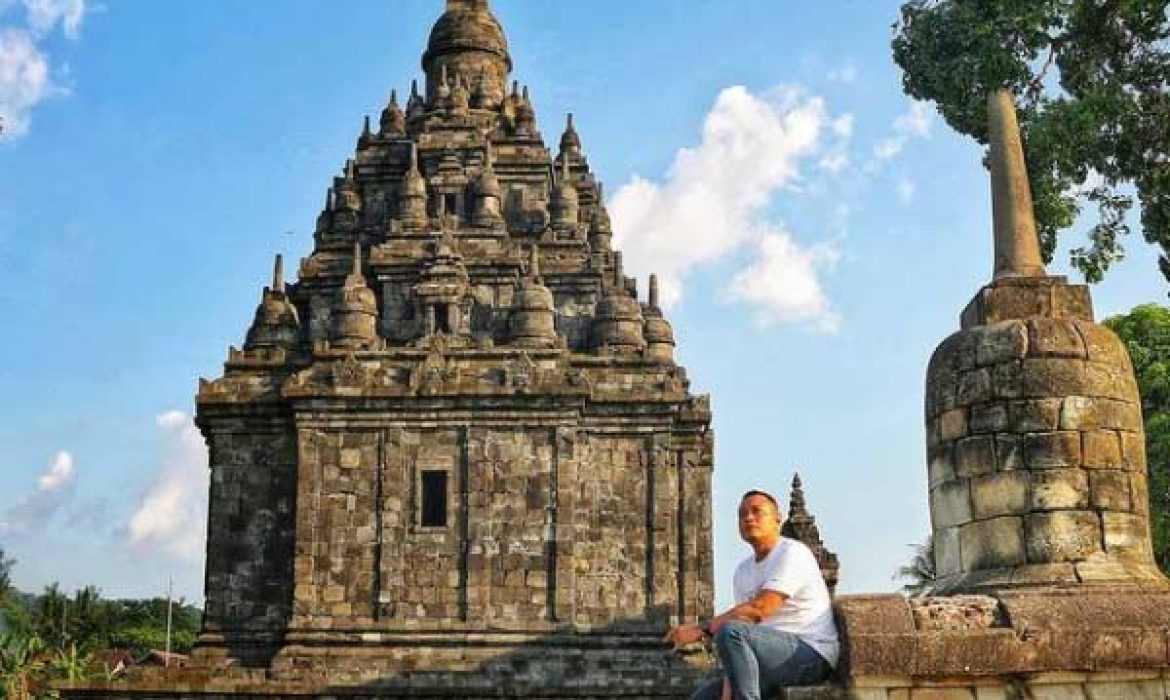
[(1118, 414), (1007, 380), (1009, 452), (1049, 337), (1059, 489), (1079, 413), (1133, 451), (1101, 568), (1001, 342), (974, 387), (1056, 377), (1109, 490), (1102, 344), (991, 544), (1063, 574), (1125, 534), (1062, 536), (1002, 493), (1049, 450), (1056, 691), (953, 425), (1125, 690), (985, 692), (1101, 449), (1109, 379), (975, 455), (941, 465), (947, 558), (988, 418), (1035, 415), (950, 504)]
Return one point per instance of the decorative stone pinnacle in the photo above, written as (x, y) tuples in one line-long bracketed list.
[(329, 199), (414, 158), (394, 97), (278, 275), (653, 291), (796, 502), (569, 123), (366, 126), (488, 159), (414, 88), (357, 259), (534, 265), (565, 172), (1017, 247)]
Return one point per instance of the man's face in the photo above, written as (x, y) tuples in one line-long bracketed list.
[(758, 519)]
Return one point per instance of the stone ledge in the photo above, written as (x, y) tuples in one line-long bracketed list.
[(1124, 628)]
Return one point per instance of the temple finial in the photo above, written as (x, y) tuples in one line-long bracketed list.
[(278, 275), (414, 88), (534, 265), (413, 157), (394, 97), (565, 171), (357, 259), (488, 158), (653, 291), (1017, 247)]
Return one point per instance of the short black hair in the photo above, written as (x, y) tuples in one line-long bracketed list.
[(765, 494)]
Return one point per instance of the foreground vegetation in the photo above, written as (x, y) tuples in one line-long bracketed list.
[(54, 637)]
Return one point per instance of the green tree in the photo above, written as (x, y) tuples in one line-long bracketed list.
[(1145, 330), (1095, 105), (6, 566)]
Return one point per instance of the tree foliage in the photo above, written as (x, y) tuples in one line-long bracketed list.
[(1092, 75), (919, 573), (6, 565), (1146, 333)]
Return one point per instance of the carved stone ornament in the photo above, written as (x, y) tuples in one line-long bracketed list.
[(349, 373)]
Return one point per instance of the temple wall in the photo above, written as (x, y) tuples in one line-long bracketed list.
[(250, 526), (545, 526)]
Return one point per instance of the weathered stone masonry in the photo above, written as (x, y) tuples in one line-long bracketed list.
[(458, 433)]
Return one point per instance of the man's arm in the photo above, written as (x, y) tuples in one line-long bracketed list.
[(759, 608)]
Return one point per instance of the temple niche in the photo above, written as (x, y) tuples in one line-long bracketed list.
[(459, 435)]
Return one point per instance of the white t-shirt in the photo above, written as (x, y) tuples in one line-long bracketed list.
[(791, 568)]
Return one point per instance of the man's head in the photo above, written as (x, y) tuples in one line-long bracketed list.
[(759, 518)]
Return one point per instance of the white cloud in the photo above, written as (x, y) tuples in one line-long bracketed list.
[(783, 282), (714, 198), (171, 515), (915, 123), (43, 15), (53, 493), (59, 473), (25, 76)]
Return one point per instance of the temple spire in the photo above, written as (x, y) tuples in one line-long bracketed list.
[(278, 275), (1017, 247), (653, 302)]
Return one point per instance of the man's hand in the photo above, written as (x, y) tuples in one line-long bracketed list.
[(684, 635)]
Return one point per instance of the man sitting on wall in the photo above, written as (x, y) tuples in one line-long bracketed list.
[(780, 632)]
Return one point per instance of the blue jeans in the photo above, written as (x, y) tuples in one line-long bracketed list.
[(761, 660)]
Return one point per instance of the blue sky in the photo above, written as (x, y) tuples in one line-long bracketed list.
[(167, 150)]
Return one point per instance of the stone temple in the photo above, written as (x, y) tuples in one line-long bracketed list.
[(459, 434), (456, 458)]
